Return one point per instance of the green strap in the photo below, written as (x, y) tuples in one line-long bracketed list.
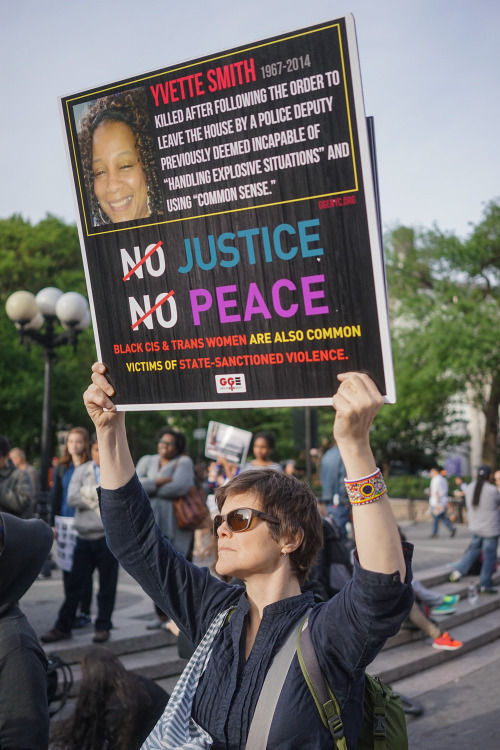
[(230, 613), (326, 703), (379, 718)]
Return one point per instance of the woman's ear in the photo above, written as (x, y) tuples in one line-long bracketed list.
[(292, 543)]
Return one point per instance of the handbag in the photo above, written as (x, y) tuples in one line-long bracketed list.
[(191, 511)]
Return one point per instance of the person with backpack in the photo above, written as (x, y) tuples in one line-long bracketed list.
[(269, 533)]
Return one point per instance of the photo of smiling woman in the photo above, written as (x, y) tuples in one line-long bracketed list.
[(118, 161)]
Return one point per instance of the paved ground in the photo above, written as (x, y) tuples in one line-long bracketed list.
[(461, 714), (460, 698)]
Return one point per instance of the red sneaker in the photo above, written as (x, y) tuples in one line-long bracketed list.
[(446, 643)]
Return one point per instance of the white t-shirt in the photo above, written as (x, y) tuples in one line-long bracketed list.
[(439, 492)]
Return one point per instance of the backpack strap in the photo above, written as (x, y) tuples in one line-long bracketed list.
[(326, 703), (379, 717), (270, 692)]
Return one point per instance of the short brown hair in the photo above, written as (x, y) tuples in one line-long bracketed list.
[(294, 505), (66, 459)]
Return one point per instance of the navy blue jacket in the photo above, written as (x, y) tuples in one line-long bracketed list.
[(347, 631)]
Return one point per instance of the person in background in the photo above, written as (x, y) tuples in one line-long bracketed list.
[(24, 710), (262, 448), (442, 605), (76, 452), (433, 601), (441, 640), (334, 567), (333, 492), (458, 500), (438, 501), (115, 709), (220, 472), (16, 490), (483, 501), (18, 458), (289, 467), (91, 552), (166, 475)]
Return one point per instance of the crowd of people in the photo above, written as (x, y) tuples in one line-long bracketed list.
[(348, 563)]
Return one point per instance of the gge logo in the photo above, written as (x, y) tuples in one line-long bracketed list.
[(230, 383)]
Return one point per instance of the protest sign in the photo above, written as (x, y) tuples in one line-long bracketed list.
[(231, 443), (66, 541), (229, 226)]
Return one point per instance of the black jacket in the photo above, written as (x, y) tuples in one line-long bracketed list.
[(24, 712), (16, 491)]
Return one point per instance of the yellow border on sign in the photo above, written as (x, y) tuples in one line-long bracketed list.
[(203, 62)]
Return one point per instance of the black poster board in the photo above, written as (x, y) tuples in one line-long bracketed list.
[(232, 252)]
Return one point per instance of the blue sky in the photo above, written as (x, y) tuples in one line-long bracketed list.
[(430, 76)]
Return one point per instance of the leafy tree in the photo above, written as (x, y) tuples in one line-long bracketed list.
[(33, 257), (445, 304)]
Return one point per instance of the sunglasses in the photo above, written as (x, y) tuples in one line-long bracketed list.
[(241, 519)]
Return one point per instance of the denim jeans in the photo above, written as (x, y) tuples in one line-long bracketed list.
[(440, 517), (425, 595), (341, 514), (89, 555), (488, 544)]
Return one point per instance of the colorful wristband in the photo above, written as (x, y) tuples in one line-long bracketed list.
[(366, 490)]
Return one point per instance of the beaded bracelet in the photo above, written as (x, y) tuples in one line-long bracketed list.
[(366, 490)]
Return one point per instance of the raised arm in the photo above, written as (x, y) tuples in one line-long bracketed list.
[(117, 467), (356, 403)]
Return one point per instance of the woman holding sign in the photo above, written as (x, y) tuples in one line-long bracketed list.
[(118, 159), (269, 532)]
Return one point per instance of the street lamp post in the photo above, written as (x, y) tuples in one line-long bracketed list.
[(30, 314)]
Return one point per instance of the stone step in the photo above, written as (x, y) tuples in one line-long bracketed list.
[(465, 613), (120, 643), (439, 576), (449, 672), (397, 663)]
